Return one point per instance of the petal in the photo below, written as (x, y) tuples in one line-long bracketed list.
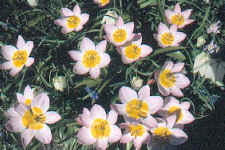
[(87, 44), (179, 36), (154, 103), (119, 21), (109, 28), (20, 43), (52, 117), (41, 101), (98, 112), (168, 65), (162, 28), (6, 65), (178, 137), (84, 136), (115, 134), (20, 109), (173, 28), (84, 118), (176, 92), (20, 98), (14, 71), (78, 68), (26, 137), (84, 18), (28, 92), (169, 102), (11, 113), (186, 14), (105, 60), (126, 60), (75, 55), (177, 8), (129, 27), (101, 46), (95, 73), (15, 125), (101, 144), (150, 122), (138, 141), (8, 51), (61, 22), (185, 105), (120, 108), (126, 138), (178, 67), (29, 46), (144, 92), (65, 12), (145, 50), (126, 94), (171, 120), (44, 135), (181, 80), (168, 14), (112, 117), (187, 117), (162, 90), (186, 22), (76, 10), (29, 62)]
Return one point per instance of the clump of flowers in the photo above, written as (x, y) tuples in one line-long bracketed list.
[(17, 56), (101, 3), (72, 20)]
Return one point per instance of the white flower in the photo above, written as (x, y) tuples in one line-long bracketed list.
[(214, 28)]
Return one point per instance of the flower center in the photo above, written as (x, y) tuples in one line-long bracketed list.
[(132, 51), (167, 79), (137, 130), (177, 110), (28, 102), (100, 128), (163, 132), (91, 59), (73, 22), (34, 119), (137, 109), (104, 2), (119, 35), (167, 38), (19, 58), (177, 19)]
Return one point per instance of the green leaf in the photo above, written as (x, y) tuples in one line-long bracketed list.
[(89, 83), (177, 55)]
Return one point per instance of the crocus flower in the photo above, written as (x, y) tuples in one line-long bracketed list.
[(119, 33), (31, 121), (27, 97), (101, 3), (91, 58), (98, 128), (214, 28), (171, 80), (138, 107), (134, 50), (72, 20), (178, 17), (17, 56)]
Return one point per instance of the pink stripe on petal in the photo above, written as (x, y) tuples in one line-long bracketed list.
[(177, 8), (20, 43), (76, 10), (26, 137), (84, 18), (6, 65), (78, 68), (8, 51), (84, 136), (101, 46), (87, 44), (181, 80), (105, 60), (144, 92), (126, 94), (52, 117), (29, 62), (102, 144), (98, 112), (75, 55), (41, 101), (115, 134), (95, 73), (154, 103), (44, 135), (126, 138), (178, 137), (65, 12), (112, 117), (20, 98), (145, 50)]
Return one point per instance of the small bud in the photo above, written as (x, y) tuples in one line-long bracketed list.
[(32, 3), (200, 41), (59, 83), (136, 83), (109, 18)]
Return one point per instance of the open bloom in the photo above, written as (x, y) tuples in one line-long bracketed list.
[(119, 33), (91, 58), (102, 3), (169, 37), (170, 79), (27, 97), (17, 56), (98, 127), (214, 28), (72, 20), (138, 107), (31, 122), (134, 50), (178, 18)]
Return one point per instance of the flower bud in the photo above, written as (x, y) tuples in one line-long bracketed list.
[(59, 83)]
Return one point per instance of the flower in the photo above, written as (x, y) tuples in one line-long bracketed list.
[(33, 3), (200, 41), (214, 28), (178, 18), (101, 3), (138, 107), (72, 20), (212, 48), (17, 56), (169, 37), (91, 58), (119, 33), (27, 97), (31, 121), (134, 50), (136, 82), (98, 127), (170, 79), (59, 83)]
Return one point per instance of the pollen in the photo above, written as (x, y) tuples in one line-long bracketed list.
[(137, 109), (137, 130), (167, 39), (34, 119), (100, 128), (119, 35), (104, 2), (167, 79), (132, 51), (19, 58), (177, 110), (28, 102), (73, 22), (163, 132), (91, 59), (177, 19)]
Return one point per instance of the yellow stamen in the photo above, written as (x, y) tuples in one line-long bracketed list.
[(73, 22), (137, 130), (91, 59), (100, 128), (177, 19), (104, 2), (119, 35), (167, 38), (177, 110), (137, 109), (19, 58), (132, 51), (167, 79), (163, 132), (28, 102)]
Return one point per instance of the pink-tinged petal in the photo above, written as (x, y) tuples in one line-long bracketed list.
[(20, 98), (44, 135), (154, 103), (75, 55), (162, 90), (126, 60), (80, 27), (95, 73), (176, 92), (178, 67), (87, 44), (79, 68), (109, 28), (144, 92), (177, 8), (130, 38), (168, 65), (98, 112), (186, 14), (52, 117), (60, 22), (126, 94), (171, 120), (112, 117), (185, 105), (14, 71), (181, 80), (105, 60), (173, 28), (150, 122), (129, 27), (20, 43), (6, 65), (8, 51), (115, 134), (66, 30), (120, 108), (186, 22), (101, 144), (187, 117), (29, 62), (26, 137), (101, 46), (41, 101), (178, 137), (145, 50), (84, 136), (119, 21), (76, 10), (15, 125), (29, 46), (126, 138), (138, 141), (84, 18), (84, 118), (20, 109), (169, 102), (168, 14), (11, 113), (162, 28), (179, 37), (65, 12)]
